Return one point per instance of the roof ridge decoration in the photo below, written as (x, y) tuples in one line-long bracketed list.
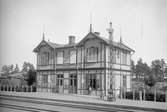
[(43, 36)]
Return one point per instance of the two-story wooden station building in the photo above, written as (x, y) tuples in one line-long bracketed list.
[(93, 66)]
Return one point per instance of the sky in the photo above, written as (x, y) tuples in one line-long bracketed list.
[(141, 23)]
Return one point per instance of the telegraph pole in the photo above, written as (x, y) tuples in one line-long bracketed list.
[(110, 31)]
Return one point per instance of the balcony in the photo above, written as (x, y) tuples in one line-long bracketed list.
[(91, 65), (66, 66), (45, 67)]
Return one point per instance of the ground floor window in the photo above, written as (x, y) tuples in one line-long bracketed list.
[(124, 81), (60, 79), (73, 79), (92, 81)]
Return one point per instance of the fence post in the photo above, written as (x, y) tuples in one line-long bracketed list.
[(133, 94), (144, 94), (120, 92), (140, 95), (166, 95), (155, 95), (26, 88), (14, 87), (22, 88), (7, 88), (30, 88)]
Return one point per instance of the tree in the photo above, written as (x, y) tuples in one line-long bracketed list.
[(27, 66), (165, 72), (16, 69), (11, 68), (141, 69), (157, 68), (5, 70), (132, 67), (150, 80), (31, 79)]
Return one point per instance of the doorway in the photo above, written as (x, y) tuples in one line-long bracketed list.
[(60, 81), (73, 83)]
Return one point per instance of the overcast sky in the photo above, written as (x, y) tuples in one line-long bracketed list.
[(143, 24)]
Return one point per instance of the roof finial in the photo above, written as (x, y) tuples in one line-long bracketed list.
[(110, 31), (120, 35), (90, 30), (43, 36)]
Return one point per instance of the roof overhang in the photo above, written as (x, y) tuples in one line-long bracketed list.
[(42, 43), (91, 35)]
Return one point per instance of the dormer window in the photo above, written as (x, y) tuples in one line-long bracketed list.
[(92, 54)]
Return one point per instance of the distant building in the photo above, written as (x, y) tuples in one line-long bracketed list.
[(13, 79), (80, 67)]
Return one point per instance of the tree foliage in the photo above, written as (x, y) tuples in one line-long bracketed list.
[(27, 66), (31, 79), (8, 69), (16, 69), (150, 80), (158, 69), (141, 69), (150, 74)]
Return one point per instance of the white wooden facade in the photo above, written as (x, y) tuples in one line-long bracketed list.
[(77, 67)]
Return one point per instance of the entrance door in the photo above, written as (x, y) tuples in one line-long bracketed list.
[(92, 84), (73, 83), (60, 79)]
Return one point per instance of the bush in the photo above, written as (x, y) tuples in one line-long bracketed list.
[(148, 96), (160, 97), (129, 95)]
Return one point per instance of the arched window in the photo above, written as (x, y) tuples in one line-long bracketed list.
[(92, 54)]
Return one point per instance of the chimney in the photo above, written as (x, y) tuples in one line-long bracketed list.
[(97, 33), (71, 39)]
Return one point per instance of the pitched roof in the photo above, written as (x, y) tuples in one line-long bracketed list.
[(115, 44), (94, 35)]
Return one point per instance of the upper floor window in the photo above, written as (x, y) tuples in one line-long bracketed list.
[(60, 57), (72, 56), (124, 58), (92, 54), (43, 58)]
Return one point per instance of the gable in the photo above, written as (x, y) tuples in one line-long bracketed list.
[(90, 35), (43, 43)]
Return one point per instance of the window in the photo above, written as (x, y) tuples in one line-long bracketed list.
[(72, 56), (44, 58), (124, 58), (92, 81), (73, 80), (92, 54), (117, 56), (60, 57), (60, 79), (124, 81), (51, 58), (114, 60), (45, 80), (53, 79)]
